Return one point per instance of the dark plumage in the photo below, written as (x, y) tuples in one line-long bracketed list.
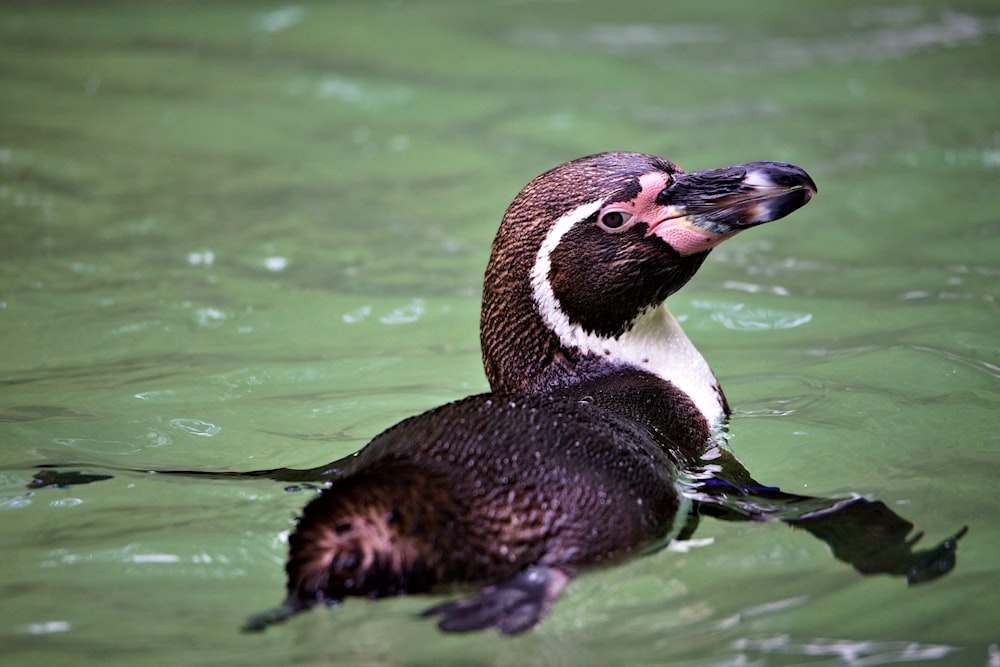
[(574, 460), (479, 489)]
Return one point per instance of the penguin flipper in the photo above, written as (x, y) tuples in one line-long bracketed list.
[(512, 607)]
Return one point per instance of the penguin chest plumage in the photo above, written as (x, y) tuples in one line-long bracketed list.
[(654, 341), (599, 403)]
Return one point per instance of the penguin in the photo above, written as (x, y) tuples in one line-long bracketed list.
[(601, 436), (598, 405)]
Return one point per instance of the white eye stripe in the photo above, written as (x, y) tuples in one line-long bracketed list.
[(545, 299), (563, 225)]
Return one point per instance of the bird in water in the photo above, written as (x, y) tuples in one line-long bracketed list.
[(600, 437), (601, 410)]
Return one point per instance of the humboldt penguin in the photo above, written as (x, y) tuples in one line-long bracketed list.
[(599, 403), (601, 436)]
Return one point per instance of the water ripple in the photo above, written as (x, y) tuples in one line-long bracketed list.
[(372, 96), (754, 288), (357, 315), (901, 37), (633, 37), (848, 652), (985, 367), (740, 317), (965, 269), (873, 34), (196, 427), (97, 446), (279, 19), (47, 627), (407, 314), (778, 407)]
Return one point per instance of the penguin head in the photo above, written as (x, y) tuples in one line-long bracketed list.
[(592, 245), (610, 235)]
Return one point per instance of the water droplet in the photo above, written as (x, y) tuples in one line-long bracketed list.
[(156, 558), (47, 628), (201, 258), (275, 264), (66, 502), (209, 316), (154, 395)]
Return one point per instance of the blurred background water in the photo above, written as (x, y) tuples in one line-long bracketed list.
[(240, 235)]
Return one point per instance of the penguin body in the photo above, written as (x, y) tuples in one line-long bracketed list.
[(598, 439), (479, 490), (599, 403)]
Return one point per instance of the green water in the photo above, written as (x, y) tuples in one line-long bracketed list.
[(240, 235)]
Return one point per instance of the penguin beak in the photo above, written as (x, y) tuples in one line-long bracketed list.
[(724, 201)]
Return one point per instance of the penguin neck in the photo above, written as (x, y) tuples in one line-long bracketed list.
[(656, 344), (530, 345)]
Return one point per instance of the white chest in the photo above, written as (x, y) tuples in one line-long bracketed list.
[(656, 343)]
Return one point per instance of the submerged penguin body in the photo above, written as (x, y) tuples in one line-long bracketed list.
[(600, 403), (477, 491)]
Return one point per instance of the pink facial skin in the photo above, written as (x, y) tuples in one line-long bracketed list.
[(668, 222), (685, 238)]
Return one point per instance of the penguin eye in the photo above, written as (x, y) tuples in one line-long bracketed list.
[(614, 221)]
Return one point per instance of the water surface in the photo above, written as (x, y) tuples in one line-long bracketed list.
[(246, 235)]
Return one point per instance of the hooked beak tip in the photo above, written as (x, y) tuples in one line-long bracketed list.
[(777, 176), (724, 201)]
